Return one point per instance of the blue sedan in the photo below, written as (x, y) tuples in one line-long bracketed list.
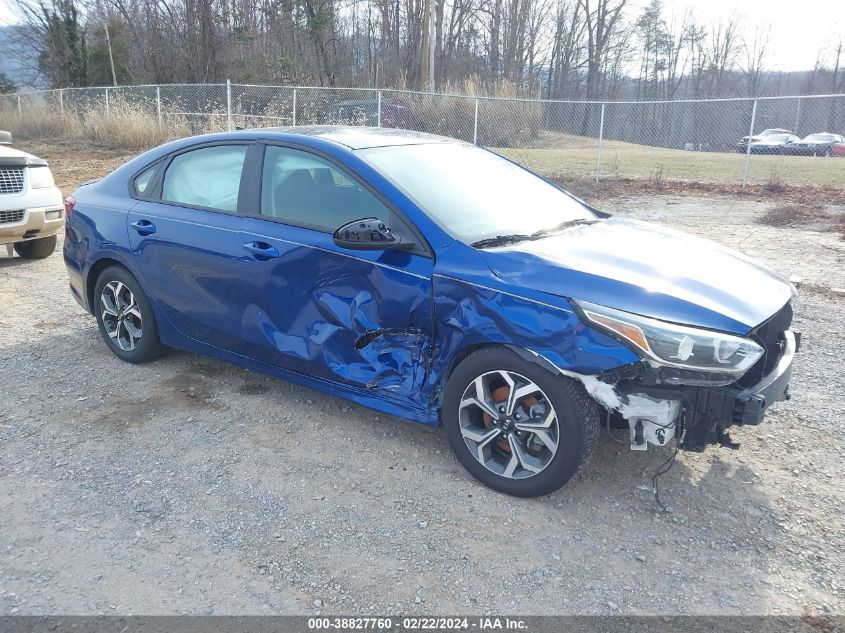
[(435, 281)]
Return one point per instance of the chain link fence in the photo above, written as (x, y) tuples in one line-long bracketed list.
[(691, 140)]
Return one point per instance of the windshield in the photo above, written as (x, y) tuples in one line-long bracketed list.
[(475, 194), (819, 137)]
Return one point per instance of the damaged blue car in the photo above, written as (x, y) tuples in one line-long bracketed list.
[(435, 281)]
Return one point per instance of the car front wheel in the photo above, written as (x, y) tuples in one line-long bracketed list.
[(37, 248), (515, 426), (125, 317)]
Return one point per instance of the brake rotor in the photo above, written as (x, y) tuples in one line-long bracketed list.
[(500, 396)]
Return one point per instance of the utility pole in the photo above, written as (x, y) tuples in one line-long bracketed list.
[(432, 43), (111, 58), (425, 62)]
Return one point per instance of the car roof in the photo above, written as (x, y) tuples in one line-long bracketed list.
[(357, 137)]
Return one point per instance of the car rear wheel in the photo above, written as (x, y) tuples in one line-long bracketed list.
[(36, 249), (515, 426), (125, 317)]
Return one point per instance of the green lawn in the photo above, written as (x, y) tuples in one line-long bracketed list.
[(570, 157)]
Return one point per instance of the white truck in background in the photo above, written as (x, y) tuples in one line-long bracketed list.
[(31, 207)]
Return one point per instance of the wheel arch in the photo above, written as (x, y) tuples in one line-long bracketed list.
[(465, 352), (94, 273)]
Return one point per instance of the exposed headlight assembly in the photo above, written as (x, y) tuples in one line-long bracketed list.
[(674, 345), (40, 177)]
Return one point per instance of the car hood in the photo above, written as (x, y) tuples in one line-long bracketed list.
[(9, 156), (646, 269)]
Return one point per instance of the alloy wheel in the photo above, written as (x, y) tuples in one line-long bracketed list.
[(508, 424), (121, 315)]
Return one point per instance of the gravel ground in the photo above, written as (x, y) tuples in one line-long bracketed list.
[(191, 486)]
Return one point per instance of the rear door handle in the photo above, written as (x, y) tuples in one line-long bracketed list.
[(262, 251), (144, 227)]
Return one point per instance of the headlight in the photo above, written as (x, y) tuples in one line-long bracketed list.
[(677, 345), (40, 178)]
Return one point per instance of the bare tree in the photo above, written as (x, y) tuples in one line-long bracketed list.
[(602, 17), (754, 67)]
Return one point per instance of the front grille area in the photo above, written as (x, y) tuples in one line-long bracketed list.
[(11, 179), (7, 217), (770, 336)]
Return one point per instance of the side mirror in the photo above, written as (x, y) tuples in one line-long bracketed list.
[(369, 234)]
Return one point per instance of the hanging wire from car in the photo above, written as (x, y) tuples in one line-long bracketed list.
[(610, 430), (666, 466)]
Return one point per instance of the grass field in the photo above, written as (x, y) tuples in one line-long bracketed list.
[(562, 156)]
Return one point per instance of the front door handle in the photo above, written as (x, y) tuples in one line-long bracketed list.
[(262, 251), (144, 227)]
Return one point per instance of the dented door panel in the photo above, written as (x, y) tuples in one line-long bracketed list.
[(362, 319)]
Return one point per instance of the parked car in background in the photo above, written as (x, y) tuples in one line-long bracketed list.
[(395, 113), (742, 146), (819, 144), (436, 281), (774, 144), (31, 207)]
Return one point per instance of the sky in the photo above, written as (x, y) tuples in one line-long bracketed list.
[(798, 27)]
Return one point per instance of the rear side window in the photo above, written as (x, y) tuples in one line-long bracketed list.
[(209, 177), (145, 179), (306, 190)]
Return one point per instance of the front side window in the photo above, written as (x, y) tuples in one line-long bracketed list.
[(209, 177), (306, 190), (472, 193)]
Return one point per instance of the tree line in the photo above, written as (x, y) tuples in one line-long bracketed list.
[(559, 49)]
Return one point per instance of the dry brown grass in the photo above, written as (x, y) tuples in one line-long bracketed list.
[(123, 125), (510, 122), (38, 123), (130, 126), (790, 215)]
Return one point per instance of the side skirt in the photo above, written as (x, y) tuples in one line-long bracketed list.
[(171, 337)]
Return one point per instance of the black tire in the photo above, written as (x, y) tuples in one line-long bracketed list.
[(150, 347), (827, 153), (577, 417), (36, 249)]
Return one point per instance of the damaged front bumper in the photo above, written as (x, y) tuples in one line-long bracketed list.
[(715, 410), (656, 412)]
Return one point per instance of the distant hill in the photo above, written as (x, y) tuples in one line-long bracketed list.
[(16, 62)]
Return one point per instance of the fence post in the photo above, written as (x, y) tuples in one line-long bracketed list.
[(748, 146), (475, 125), (158, 104), (107, 101), (61, 101), (20, 113), (601, 138), (294, 107), (379, 109), (229, 105), (797, 116)]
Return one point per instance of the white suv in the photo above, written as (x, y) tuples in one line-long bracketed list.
[(31, 206)]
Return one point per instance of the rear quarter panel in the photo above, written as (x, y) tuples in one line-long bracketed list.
[(95, 231)]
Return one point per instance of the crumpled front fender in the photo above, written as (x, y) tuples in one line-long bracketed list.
[(469, 315)]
